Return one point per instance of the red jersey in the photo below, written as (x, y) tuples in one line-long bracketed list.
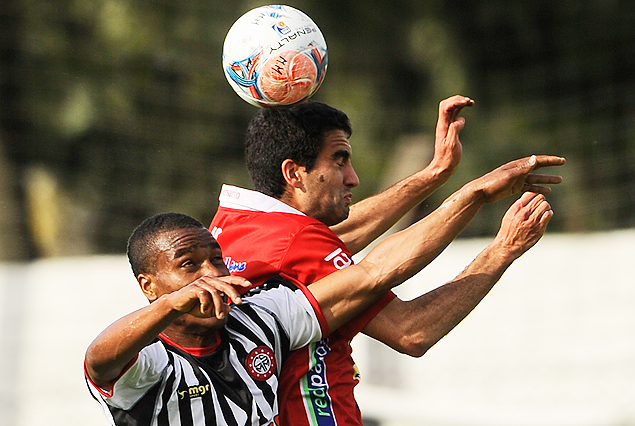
[(262, 237)]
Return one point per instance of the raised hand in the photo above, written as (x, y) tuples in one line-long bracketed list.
[(524, 224), (447, 147), (207, 296), (516, 176)]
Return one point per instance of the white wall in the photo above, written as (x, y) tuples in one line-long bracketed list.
[(552, 345)]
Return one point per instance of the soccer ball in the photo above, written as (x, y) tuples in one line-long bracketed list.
[(274, 56)]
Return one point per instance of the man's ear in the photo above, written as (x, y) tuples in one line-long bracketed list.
[(293, 174), (148, 286)]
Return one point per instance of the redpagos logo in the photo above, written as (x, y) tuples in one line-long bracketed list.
[(316, 386)]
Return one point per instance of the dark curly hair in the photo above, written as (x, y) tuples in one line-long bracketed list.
[(296, 133)]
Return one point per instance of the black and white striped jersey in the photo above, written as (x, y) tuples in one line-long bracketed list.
[(233, 383)]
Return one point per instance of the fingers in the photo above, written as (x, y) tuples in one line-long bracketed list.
[(533, 162), (537, 205), (455, 128), (516, 176), (533, 178), (447, 147), (532, 203), (212, 303), (540, 214), (526, 221), (453, 105), (534, 211), (548, 160), (526, 198), (236, 281), (534, 183), (210, 296), (526, 205), (449, 110)]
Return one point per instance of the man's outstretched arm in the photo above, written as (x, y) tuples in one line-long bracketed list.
[(418, 324), (345, 293), (371, 217)]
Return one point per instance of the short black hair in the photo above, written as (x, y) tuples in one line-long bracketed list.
[(296, 133), (142, 249)]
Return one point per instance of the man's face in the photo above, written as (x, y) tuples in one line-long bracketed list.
[(185, 255), (329, 183)]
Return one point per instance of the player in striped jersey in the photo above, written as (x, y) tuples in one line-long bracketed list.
[(188, 359)]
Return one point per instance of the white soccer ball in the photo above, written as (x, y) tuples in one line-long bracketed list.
[(274, 55)]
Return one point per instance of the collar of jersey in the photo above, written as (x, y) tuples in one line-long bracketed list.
[(234, 197), (193, 351)]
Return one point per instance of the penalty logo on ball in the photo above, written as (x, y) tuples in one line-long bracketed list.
[(274, 56)]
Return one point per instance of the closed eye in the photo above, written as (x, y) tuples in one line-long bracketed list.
[(341, 157)]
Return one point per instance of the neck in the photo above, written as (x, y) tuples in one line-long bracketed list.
[(291, 199)]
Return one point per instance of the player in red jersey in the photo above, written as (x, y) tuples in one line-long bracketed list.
[(299, 161)]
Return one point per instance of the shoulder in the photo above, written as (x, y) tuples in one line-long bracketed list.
[(279, 304), (144, 371), (226, 217), (279, 232), (274, 297)]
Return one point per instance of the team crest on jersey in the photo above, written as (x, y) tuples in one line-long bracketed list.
[(261, 363)]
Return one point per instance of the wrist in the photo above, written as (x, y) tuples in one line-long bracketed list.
[(438, 172), (501, 254), (166, 306), (473, 194)]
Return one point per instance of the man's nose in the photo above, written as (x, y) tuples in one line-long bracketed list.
[(208, 268), (351, 180)]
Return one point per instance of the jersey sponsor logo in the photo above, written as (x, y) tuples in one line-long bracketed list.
[(194, 391), (234, 266), (261, 363), (340, 259), (317, 398)]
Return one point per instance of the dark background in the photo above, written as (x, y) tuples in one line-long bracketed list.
[(114, 110)]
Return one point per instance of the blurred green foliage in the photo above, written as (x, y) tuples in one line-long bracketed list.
[(113, 110)]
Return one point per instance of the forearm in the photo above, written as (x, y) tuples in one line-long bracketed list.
[(405, 253), (345, 293), (445, 307), (413, 327), (118, 344), (371, 217)]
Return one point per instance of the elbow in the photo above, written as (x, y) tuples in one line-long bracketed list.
[(415, 346)]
